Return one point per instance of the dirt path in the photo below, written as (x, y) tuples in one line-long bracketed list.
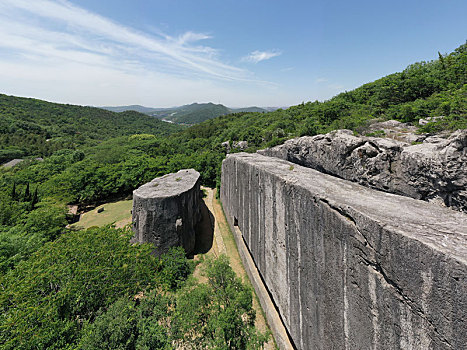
[(224, 243)]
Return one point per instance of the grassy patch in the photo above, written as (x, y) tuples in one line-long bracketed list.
[(116, 212)]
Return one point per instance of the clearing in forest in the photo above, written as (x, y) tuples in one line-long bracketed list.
[(118, 213)]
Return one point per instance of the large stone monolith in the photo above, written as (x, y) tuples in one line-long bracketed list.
[(350, 267), (166, 211)]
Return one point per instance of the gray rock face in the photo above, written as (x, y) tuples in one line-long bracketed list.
[(12, 163), (237, 145), (396, 130), (430, 120), (166, 211), (435, 170), (350, 267), (226, 146), (241, 145)]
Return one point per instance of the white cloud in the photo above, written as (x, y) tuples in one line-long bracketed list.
[(321, 80), (64, 30), (54, 50), (191, 37), (258, 56)]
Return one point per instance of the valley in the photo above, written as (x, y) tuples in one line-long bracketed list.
[(189, 114)]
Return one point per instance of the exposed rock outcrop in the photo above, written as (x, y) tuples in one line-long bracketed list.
[(430, 120), (435, 170), (226, 146), (350, 267), (166, 211), (241, 145), (236, 145), (396, 130)]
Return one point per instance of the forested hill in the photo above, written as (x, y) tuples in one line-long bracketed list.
[(424, 89), (30, 127), (189, 114), (193, 114)]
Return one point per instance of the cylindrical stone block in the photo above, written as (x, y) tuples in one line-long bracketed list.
[(166, 211)]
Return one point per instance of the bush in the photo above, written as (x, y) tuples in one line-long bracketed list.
[(129, 326), (173, 268), (219, 314), (31, 231)]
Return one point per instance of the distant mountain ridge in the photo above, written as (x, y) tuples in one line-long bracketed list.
[(135, 108), (188, 114)]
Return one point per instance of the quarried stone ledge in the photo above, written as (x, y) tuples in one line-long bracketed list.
[(350, 267), (166, 211)]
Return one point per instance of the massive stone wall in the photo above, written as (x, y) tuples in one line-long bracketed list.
[(347, 266), (166, 211)]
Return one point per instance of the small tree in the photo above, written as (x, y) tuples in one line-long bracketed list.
[(34, 199), (173, 268), (13, 192), (27, 194)]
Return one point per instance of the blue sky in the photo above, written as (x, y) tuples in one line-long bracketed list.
[(239, 53)]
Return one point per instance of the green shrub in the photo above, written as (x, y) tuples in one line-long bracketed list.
[(219, 314), (46, 299), (128, 325), (173, 268)]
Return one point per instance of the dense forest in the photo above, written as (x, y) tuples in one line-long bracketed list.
[(30, 127), (92, 155)]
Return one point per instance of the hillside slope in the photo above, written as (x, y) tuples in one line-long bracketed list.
[(30, 127), (192, 114), (422, 90), (252, 109)]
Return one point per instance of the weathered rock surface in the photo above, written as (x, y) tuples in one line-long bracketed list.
[(241, 145), (166, 211), (396, 130), (350, 267), (12, 163), (430, 120), (236, 145), (226, 146), (435, 170)]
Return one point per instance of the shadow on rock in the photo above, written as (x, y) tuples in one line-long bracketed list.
[(204, 231)]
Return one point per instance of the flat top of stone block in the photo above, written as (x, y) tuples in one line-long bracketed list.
[(440, 228), (169, 185)]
